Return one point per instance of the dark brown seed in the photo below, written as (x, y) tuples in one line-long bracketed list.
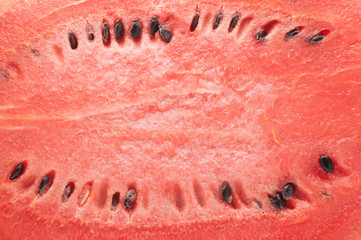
[(327, 164), (288, 190), (194, 23), (115, 199), (90, 33), (106, 33), (165, 34), (233, 23), (130, 199), (17, 172), (316, 38), (261, 35), (281, 200), (217, 21), (68, 191), (136, 29), (278, 202), (44, 185), (226, 193), (274, 202), (73, 41), (292, 33), (119, 29), (153, 26)]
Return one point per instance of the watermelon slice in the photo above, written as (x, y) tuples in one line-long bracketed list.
[(180, 119)]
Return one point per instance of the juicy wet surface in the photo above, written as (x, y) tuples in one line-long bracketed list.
[(177, 119)]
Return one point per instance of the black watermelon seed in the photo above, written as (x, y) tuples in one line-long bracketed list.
[(17, 172), (278, 202), (316, 38), (281, 200), (90, 33), (194, 23), (136, 29), (226, 193), (115, 199), (233, 23), (288, 190), (165, 34), (73, 41), (44, 185), (292, 33), (274, 202), (119, 29), (130, 199), (327, 164), (68, 191), (261, 35), (106, 33), (153, 26), (217, 21)]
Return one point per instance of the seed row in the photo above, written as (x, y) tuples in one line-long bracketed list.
[(166, 34), (278, 201), (119, 30)]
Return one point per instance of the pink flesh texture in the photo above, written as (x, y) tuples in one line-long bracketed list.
[(176, 120)]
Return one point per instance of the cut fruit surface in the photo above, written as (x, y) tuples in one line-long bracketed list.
[(180, 119)]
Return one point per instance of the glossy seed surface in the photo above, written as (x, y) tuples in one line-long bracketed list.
[(194, 23), (278, 202), (217, 21), (165, 34), (292, 33), (274, 202), (281, 200), (233, 23), (261, 35), (316, 38), (288, 190), (153, 26), (73, 41), (115, 199), (226, 193), (130, 199), (44, 185), (327, 164), (119, 29), (136, 29), (68, 191), (17, 172), (106, 33)]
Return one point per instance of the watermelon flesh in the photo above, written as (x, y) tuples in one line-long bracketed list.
[(174, 121)]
